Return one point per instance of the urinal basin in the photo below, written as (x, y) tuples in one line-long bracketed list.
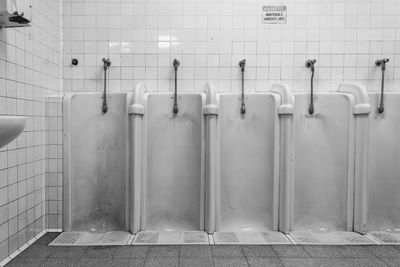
[(10, 128)]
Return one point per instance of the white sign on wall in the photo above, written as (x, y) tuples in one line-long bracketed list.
[(274, 14)]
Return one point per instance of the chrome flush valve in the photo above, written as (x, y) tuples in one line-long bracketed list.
[(381, 63), (242, 64), (107, 63), (310, 64), (176, 64)]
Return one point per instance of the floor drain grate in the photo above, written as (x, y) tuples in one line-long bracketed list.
[(330, 238), (91, 239), (146, 238), (171, 238), (387, 237), (67, 238), (305, 238), (225, 238), (115, 238), (355, 238), (275, 238), (195, 237), (266, 238)]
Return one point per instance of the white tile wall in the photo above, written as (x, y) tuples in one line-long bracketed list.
[(54, 167), (142, 37), (29, 69), (209, 37)]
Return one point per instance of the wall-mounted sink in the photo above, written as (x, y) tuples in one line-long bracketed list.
[(10, 128)]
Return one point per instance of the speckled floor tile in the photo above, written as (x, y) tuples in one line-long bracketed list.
[(262, 262), (290, 251), (323, 251), (227, 251), (230, 262), (258, 251)]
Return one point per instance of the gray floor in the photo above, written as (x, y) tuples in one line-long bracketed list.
[(40, 254)]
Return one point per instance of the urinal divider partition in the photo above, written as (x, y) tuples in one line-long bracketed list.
[(211, 164), (66, 224), (136, 112), (286, 160), (361, 111)]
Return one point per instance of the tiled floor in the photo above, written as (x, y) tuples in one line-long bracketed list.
[(40, 254)]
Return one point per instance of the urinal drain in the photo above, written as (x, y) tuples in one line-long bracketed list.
[(330, 238)]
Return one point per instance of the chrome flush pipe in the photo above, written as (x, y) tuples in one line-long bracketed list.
[(176, 64), (106, 65), (242, 65), (382, 63), (310, 64)]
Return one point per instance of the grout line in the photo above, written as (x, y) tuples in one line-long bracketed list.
[(373, 239), (179, 254), (244, 254), (291, 239), (211, 239), (130, 241)]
